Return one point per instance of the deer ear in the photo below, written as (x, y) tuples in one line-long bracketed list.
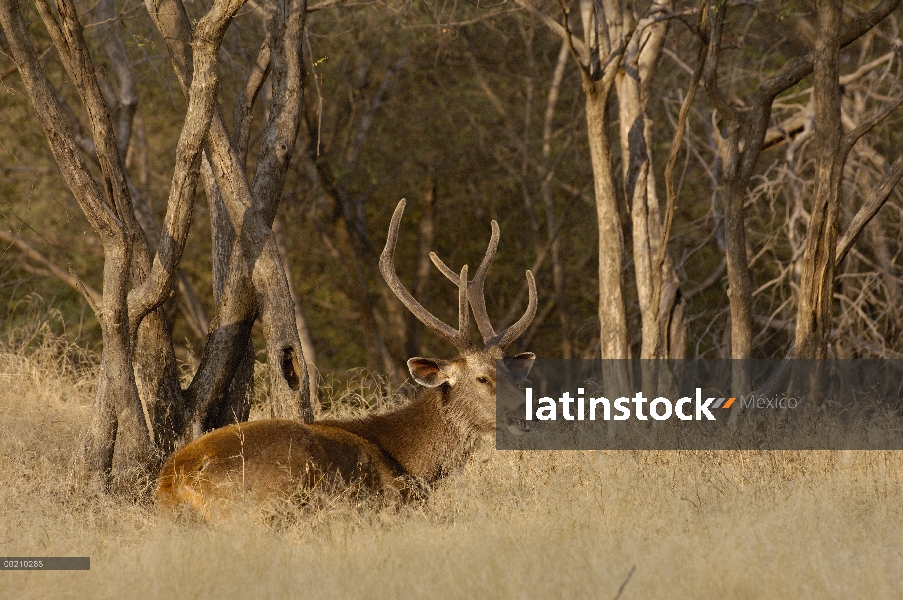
[(431, 372), (519, 366)]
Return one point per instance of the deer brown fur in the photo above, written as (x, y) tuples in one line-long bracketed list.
[(425, 439)]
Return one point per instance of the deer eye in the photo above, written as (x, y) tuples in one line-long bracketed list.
[(482, 380)]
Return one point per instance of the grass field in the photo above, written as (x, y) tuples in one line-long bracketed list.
[(512, 524)]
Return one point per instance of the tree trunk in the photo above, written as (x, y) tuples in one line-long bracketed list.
[(813, 324), (613, 341), (251, 210), (426, 235), (307, 343), (552, 219)]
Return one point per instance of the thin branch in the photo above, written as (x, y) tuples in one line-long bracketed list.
[(850, 139), (579, 51), (555, 26), (671, 195), (68, 277), (366, 120), (15, 68), (677, 60), (538, 263), (87, 293), (329, 3), (866, 68), (625, 582), (870, 208), (710, 75), (497, 104), (242, 119), (708, 282)]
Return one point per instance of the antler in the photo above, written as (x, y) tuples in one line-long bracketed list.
[(461, 337), (477, 296)]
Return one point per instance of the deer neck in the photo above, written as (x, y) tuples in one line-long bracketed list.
[(423, 437)]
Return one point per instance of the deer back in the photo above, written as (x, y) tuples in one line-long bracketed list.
[(262, 459)]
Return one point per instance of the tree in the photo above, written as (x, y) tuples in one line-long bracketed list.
[(140, 411)]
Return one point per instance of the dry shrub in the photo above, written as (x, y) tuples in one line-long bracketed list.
[(789, 524), (338, 397)]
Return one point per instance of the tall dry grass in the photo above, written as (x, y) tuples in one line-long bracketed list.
[(511, 524)]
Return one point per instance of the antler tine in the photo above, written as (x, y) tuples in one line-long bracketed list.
[(475, 289), (459, 338), (444, 269), (463, 323), (515, 331)]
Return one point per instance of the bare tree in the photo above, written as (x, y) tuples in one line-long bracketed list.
[(140, 412), (658, 288), (741, 147), (816, 303), (619, 49)]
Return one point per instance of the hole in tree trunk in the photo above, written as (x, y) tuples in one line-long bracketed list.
[(290, 368)]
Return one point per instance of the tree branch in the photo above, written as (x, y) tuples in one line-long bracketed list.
[(208, 35), (870, 208), (671, 195), (795, 70), (70, 43), (853, 136), (556, 27), (242, 119), (92, 295), (126, 100), (281, 131), (59, 137)]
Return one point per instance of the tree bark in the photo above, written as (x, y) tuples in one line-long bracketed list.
[(657, 284), (307, 343), (251, 210), (139, 411), (813, 324), (613, 341)]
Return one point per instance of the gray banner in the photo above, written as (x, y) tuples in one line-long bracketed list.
[(705, 405), (45, 563)]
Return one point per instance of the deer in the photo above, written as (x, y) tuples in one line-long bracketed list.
[(424, 440)]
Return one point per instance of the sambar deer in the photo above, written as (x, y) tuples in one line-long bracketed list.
[(422, 440)]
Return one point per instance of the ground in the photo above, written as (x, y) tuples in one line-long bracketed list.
[(523, 524)]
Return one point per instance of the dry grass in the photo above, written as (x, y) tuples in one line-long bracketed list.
[(513, 524)]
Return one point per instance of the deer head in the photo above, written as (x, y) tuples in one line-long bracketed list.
[(470, 383)]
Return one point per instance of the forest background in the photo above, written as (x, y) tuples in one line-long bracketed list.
[(682, 179)]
